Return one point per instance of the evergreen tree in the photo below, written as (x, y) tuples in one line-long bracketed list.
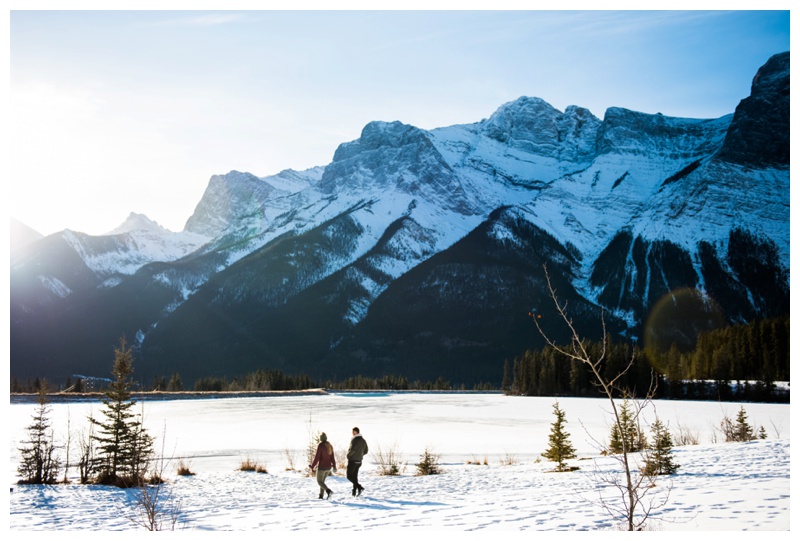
[(39, 465), (625, 435), (159, 383), (739, 430), (742, 429), (659, 459), (518, 386), (561, 448), (175, 383), (579, 379), (123, 446), (428, 463)]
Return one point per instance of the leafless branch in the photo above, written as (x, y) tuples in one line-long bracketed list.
[(156, 506), (633, 488)]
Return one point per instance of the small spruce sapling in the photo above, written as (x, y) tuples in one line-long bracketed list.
[(737, 431), (659, 458), (630, 440), (428, 463), (560, 449)]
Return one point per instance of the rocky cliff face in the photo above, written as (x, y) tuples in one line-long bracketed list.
[(759, 134), (420, 252)]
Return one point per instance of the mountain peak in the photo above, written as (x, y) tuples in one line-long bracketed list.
[(535, 126), (759, 133), (227, 199), (376, 135), (137, 222)]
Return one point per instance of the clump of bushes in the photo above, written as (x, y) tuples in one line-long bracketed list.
[(183, 468), (740, 430), (248, 464)]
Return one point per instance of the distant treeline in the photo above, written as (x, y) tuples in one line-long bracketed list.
[(263, 380), (740, 362), (756, 351), (754, 356), (269, 380)]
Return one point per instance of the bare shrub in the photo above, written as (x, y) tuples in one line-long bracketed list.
[(685, 436), (509, 460), (247, 464), (156, 506), (291, 459), (340, 453), (157, 509), (67, 449), (388, 460), (777, 429), (250, 464), (183, 468), (477, 462), (86, 457), (313, 442)]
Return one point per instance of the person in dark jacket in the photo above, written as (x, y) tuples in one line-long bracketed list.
[(355, 455), (324, 462)]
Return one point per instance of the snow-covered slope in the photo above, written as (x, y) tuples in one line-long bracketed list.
[(114, 256)]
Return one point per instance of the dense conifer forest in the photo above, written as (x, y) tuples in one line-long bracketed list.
[(735, 363), (752, 356)]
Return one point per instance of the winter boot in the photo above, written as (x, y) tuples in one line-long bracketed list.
[(329, 494)]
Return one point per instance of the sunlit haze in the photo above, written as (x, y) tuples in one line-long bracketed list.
[(113, 112)]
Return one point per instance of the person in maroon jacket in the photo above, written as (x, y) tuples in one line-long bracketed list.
[(324, 462)]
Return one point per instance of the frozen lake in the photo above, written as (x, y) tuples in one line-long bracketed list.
[(217, 434)]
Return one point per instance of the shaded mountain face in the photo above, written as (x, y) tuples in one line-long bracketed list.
[(421, 252), (759, 134)]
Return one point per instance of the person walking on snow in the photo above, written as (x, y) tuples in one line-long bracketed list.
[(324, 462), (355, 455)]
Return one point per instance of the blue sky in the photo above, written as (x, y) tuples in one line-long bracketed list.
[(120, 111)]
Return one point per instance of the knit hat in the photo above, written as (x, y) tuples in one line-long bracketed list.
[(323, 437)]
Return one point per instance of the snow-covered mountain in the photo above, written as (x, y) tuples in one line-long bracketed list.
[(421, 252)]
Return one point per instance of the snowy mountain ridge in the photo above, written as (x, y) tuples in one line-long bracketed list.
[(405, 222)]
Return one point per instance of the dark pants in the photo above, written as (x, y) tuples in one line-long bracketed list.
[(352, 474)]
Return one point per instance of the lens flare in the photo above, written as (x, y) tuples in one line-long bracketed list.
[(677, 319)]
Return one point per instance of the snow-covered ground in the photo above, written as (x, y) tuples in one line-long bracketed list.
[(493, 478)]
